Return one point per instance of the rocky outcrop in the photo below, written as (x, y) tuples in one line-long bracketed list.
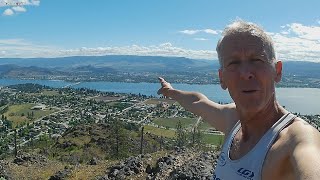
[(199, 168), (180, 164), (131, 166), (60, 175), (25, 159)]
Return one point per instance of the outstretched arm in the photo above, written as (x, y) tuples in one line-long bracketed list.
[(222, 117)]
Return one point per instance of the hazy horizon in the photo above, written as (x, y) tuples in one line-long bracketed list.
[(35, 28)]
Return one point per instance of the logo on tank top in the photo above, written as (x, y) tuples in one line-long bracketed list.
[(222, 159), (245, 173)]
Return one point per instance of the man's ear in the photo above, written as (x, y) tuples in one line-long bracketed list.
[(278, 67), (222, 83)]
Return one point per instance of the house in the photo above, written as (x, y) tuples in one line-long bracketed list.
[(39, 107)]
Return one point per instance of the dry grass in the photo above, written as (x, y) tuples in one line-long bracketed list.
[(35, 171), (107, 98), (85, 172), (50, 92), (157, 101)]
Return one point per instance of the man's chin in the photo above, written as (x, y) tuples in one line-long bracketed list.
[(249, 107)]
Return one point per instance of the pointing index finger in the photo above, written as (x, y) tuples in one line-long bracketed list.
[(162, 81)]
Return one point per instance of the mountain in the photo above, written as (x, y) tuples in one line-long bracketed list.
[(116, 62), (301, 68), (99, 65), (13, 70)]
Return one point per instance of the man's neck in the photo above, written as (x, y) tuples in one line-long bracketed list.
[(255, 124)]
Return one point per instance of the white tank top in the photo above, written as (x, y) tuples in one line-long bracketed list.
[(249, 166)]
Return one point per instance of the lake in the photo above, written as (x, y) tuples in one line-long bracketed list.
[(300, 100)]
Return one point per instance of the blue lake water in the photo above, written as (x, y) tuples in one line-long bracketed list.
[(301, 100)]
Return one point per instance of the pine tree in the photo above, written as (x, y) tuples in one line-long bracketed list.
[(181, 135), (118, 136), (197, 136)]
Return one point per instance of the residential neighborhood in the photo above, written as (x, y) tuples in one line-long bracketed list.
[(50, 112)]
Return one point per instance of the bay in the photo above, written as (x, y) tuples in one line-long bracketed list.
[(299, 100)]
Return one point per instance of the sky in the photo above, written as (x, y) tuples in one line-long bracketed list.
[(183, 28)]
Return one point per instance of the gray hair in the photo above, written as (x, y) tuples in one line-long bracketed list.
[(240, 27)]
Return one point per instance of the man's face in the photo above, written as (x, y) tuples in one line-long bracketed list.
[(248, 72)]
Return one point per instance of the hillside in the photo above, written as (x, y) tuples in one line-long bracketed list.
[(87, 152), (136, 69)]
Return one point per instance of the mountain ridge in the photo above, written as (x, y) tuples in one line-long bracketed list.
[(141, 69)]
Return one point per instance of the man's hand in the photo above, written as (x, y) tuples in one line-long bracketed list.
[(165, 87)]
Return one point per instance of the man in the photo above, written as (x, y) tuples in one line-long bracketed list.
[(262, 139)]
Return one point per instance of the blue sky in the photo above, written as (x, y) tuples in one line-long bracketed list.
[(54, 28)]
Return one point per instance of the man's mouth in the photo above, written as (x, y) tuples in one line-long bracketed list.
[(249, 91)]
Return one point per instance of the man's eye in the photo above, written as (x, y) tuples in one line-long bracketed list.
[(234, 63), (257, 60)]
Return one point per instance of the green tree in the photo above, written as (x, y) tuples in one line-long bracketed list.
[(197, 136), (119, 139), (181, 135)]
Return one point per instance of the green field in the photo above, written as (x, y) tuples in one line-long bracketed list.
[(172, 122), (18, 113), (213, 139), (159, 132), (206, 138), (50, 93), (205, 126)]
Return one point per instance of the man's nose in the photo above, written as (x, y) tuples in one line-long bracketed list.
[(246, 71)]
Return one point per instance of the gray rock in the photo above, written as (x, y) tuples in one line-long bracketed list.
[(60, 175)]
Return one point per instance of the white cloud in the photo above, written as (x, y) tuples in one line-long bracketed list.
[(285, 32), (201, 39), (8, 12), (17, 5), (165, 49), (19, 9), (307, 32), (190, 32), (35, 2), (298, 42), (22, 48), (210, 31), (293, 42), (196, 31)]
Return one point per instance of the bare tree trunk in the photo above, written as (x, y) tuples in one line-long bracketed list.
[(15, 143), (141, 141)]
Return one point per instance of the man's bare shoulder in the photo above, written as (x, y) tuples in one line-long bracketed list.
[(304, 144), (299, 131), (295, 155)]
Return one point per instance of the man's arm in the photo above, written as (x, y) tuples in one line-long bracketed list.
[(305, 157), (222, 117)]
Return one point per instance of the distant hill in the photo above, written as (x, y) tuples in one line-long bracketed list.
[(302, 68), (13, 70), (80, 65), (116, 62)]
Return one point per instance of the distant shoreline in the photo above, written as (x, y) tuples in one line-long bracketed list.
[(280, 85)]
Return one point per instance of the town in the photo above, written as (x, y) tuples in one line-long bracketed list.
[(33, 111), (82, 126)]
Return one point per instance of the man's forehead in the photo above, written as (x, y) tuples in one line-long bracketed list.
[(250, 38), (240, 43)]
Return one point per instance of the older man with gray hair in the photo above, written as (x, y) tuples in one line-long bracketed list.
[(262, 139)]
